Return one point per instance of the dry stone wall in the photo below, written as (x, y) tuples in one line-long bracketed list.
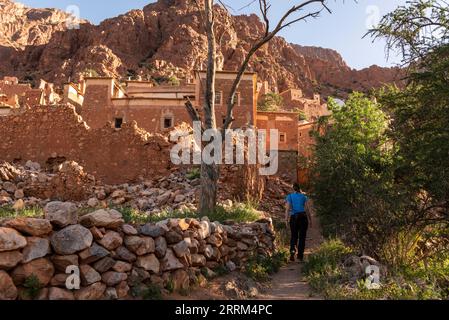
[(115, 259)]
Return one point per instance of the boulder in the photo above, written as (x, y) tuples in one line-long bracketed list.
[(55, 293), (36, 248), (173, 237), (94, 253), (124, 254), (149, 263), (110, 219), (111, 240), (10, 259), (203, 229), (62, 262), (181, 280), (110, 294), (104, 264), (8, 290), (88, 275), (121, 266), (92, 292), (18, 205), (71, 239), (59, 280), (61, 214), (140, 245), (31, 226), (198, 260), (181, 249), (19, 195), (160, 247), (11, 240), (122, 290), (112, 278), (154, 230), (42, 268), (93, 202), (170, 262), (129, 230)]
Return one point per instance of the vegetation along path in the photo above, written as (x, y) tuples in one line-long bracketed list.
[(289, 283)]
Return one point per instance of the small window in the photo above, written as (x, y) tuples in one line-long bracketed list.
[(218, 97), (237, 98), (283, 137), (168, 123), (118, 123)]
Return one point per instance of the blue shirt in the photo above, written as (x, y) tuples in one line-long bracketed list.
[(297, 202)]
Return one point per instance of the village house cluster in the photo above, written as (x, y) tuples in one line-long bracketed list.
[(160, 108)]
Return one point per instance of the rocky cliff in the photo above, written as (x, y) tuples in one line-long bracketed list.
[(165, 39)]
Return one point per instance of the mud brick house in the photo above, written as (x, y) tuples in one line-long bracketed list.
[(158, 109), (287, 125), (312, 109), (14, 94)]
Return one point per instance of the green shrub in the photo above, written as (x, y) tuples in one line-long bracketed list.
[(193, 174), (32, 286), (260, 267), (152, 292)]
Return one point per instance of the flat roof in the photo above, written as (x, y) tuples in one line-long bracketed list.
[(226, 71)]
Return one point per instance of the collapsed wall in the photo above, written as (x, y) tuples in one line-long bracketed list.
[(115, 259), (49, 134)]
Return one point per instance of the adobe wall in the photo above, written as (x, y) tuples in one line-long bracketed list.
[(285, 122), (116, 260), (245, 113), (114, 156)]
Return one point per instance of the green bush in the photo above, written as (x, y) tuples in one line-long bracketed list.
[(32, 286), (193, 174), (152, 292), (260, 267)]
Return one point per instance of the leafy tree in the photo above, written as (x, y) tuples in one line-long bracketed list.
[(270, 102)]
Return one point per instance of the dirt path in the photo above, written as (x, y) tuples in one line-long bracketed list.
[(289, 283)]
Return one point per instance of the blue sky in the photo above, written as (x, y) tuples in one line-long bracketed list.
[(342, 30)]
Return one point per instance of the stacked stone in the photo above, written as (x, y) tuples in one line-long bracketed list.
[(114, 257)]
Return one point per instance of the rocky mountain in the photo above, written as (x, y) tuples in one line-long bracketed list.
[(163, 40)]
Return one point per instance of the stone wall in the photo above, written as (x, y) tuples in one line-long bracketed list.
[(45, 134), (116, 259)]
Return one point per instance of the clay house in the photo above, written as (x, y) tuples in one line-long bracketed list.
[(25, 95), (287, 125), (312, 109), (158, 109)]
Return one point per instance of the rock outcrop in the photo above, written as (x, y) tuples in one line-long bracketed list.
[(166, 39)]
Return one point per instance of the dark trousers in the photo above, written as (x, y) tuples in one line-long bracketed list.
[(298, 227)]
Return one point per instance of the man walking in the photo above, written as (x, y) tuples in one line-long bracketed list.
[(297, 215)]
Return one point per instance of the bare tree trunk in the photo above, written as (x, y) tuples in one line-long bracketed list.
[(209, 172)]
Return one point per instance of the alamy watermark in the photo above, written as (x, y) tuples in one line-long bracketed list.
[(236, 147), (372, 281), (73, 18)]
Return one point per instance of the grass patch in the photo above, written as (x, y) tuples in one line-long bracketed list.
[(193, 174), (327, 276), (237, 213), (260, 268), (9, 212)]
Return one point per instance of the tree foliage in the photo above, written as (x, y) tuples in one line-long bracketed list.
[(270, 102)]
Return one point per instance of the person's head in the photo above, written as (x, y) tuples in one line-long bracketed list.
[(297, 187)]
